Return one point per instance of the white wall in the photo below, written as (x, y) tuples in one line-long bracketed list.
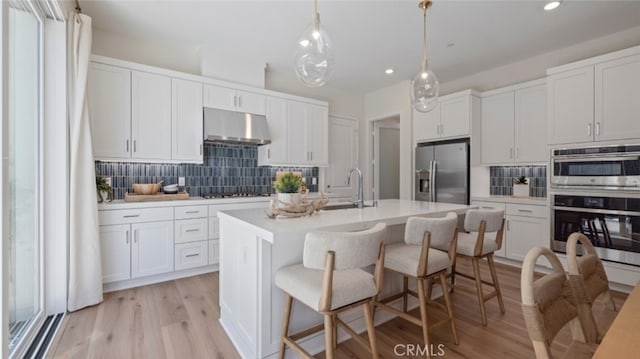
[(384, 103), (536, 67)]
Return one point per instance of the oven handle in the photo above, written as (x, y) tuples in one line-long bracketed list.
[(595, 159), (597, 211)]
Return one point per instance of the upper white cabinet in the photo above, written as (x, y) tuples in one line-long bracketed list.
[(150, 116), (186, 121), (299, 134), (451, 118), (231, 99), (594, 99), (513, 125), (110, 111)]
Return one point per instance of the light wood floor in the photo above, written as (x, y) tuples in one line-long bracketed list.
[(179, 319)]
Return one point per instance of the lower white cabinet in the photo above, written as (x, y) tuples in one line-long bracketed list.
[(214, 251), (136, 250), (191, 230), (191, 255)]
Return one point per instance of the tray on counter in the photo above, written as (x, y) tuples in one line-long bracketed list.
[(133, 197)]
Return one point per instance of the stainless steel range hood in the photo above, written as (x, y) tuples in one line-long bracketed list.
[(235, 127)]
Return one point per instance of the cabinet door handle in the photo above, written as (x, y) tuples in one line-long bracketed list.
[(135, 236), (126, 239), (191, 212), (588, 129), (134, 145), (131, 216), (127, 146), (239, 101), (268, 153), (192, 230), (235, 101), (597, 128), (311, 156), (192, 255), (517, 152), (525, 210), (507, 224), (511, 152)]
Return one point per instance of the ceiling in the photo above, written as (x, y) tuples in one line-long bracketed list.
[(465, 37)]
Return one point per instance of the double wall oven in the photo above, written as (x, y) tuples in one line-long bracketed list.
[(596, 191)]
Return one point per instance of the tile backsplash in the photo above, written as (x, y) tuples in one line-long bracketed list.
[(226, 169), (501, 179)]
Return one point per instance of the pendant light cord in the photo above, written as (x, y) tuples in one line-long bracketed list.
[(315, 15), (424, 39)]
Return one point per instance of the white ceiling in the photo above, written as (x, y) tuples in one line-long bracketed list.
[(371, 35)]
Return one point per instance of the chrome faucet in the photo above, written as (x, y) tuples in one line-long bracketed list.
[(360, 201)]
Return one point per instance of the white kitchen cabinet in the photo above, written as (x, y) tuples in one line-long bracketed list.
[(150, 116), (513, 125), (318, 135), (191, 230), (110, 111), (214, 251), (231, 99), (186, 121), (276, 152), (570, 106), (191, 255), (343, 156), (617, 85), (527, 229), (451, 118), (115, 248), (152, 248), (297, 136)]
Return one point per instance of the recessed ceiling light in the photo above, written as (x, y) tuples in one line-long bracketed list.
[(552, 5), (451, 44), (388, 71)]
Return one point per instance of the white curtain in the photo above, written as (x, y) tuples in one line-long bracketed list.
[(85, 268)]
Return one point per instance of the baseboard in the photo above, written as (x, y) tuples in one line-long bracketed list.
[(158, 278)]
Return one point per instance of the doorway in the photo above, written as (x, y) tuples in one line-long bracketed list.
[(386, 158)]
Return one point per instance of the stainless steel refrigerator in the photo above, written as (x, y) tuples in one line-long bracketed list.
[(442, 172)]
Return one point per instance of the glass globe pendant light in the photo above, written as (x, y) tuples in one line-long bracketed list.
[(313, 55), (425, 86)]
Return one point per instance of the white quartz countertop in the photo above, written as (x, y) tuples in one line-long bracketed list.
[(390, 211), (540, 201)]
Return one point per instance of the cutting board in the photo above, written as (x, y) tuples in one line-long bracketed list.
[(133, 197)]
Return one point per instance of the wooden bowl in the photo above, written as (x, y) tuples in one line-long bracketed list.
[(146, 188)]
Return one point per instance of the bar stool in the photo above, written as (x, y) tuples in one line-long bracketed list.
[(589, 280), (330, 280), (426, 254), (477, 246), (548, 304)]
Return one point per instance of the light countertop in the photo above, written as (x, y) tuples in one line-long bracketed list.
[(540, 201)]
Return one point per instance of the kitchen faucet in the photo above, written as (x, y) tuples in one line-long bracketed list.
[(360, 201)]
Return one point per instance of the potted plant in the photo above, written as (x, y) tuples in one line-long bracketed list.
[(521, 186), (103, 189), (288, 187)]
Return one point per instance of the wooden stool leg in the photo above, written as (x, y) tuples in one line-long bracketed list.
[(447, 300), (368, 315), (328, 335), (429, 289), (423, 315), (494, 277), (288, 301), (334, 332), (405, 291), (476, 274)]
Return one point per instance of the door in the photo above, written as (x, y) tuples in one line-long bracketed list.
[(219, 97), (297, 120), (110, 111), (152, 248), (115, 249), (426, 125), (318, 134), (388, 185), (570, 106), (424, 160), (617, 85), (150, 116), (451, 173), (343, 155), (251, 102), (531, 125), (186, 121), (455, 116), (276, 151), (497, 129)]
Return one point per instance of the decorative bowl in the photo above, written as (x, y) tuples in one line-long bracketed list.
[(146, 188)]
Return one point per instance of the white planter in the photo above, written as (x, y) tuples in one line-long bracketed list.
[(292, 198), (521, 190)]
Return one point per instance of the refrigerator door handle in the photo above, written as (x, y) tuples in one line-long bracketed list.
[(434, 169)]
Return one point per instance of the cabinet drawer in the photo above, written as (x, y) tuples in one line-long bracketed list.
[(123, 216), (191, 230), (489, 205), (187, 212), (214, 251), (527, 210), (191, 255), (214, 208), (214, 228)]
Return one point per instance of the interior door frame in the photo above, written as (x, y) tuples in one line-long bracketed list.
[(374, 168)]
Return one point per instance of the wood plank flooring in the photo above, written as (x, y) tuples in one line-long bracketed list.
[(179, 319)]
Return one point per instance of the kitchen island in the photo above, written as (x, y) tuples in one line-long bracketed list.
[(253, 247)]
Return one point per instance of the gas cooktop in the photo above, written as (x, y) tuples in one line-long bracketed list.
[(235, 195)]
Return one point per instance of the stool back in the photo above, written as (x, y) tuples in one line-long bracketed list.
[(442, 231), (492, 218)]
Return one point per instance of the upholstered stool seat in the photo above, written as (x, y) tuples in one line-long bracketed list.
[(467, 244), (426, 255), (331, 279)]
